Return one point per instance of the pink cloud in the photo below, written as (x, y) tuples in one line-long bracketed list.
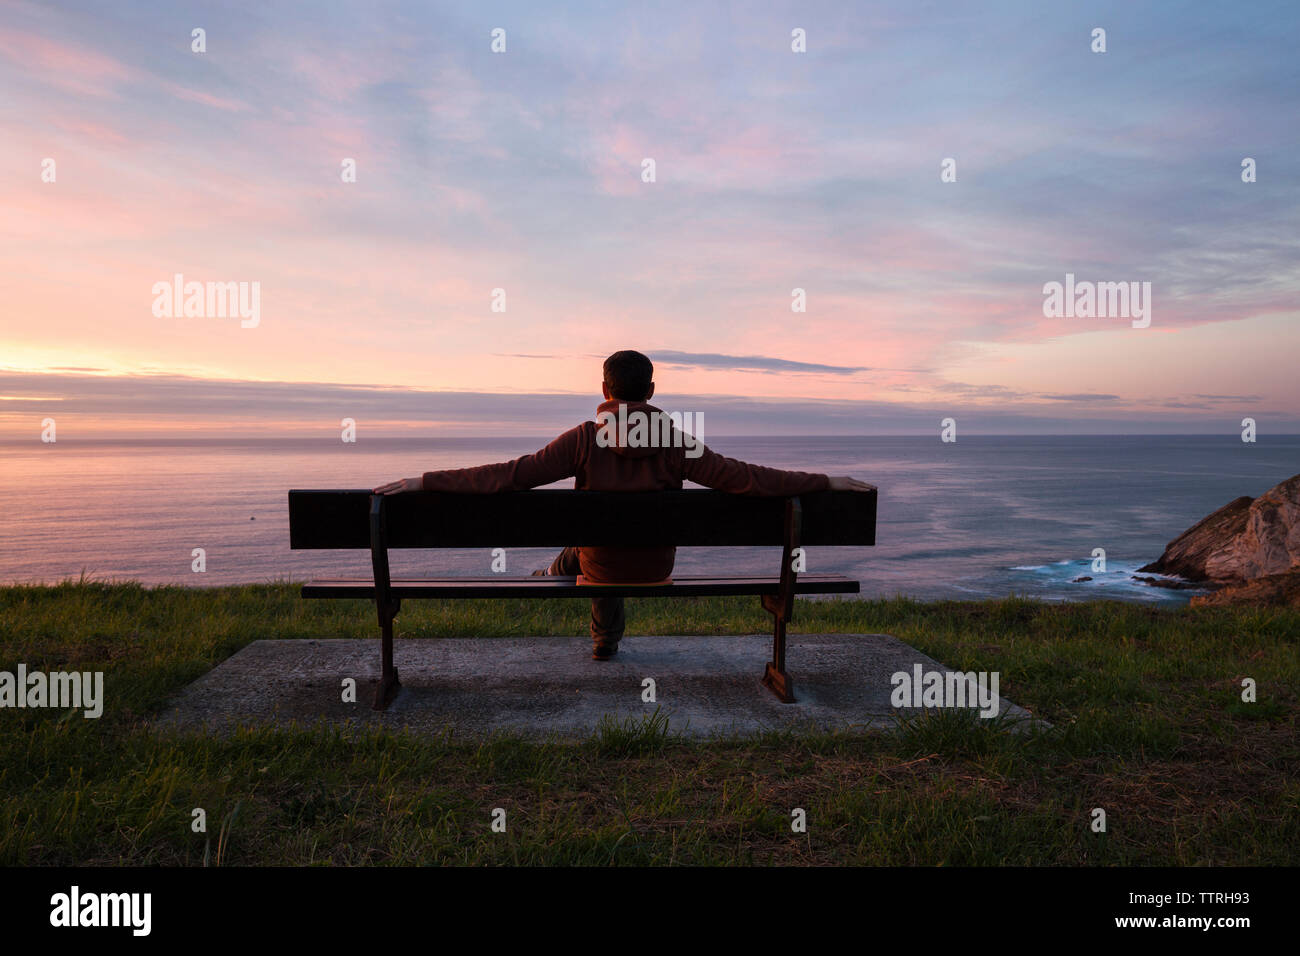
[(69, 67), (207, 99)]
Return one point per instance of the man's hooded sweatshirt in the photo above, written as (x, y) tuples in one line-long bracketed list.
[(613, 467)]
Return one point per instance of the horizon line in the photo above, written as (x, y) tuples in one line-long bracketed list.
[(532, 435)]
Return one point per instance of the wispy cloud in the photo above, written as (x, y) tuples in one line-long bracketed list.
[(748, 363), (1080, 397)]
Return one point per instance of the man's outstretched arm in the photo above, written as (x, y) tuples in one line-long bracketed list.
[(741, 478), (557, 460)]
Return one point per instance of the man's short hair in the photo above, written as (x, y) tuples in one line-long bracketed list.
[(628, 375)]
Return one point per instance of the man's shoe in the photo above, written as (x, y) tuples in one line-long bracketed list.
[(603, 652)]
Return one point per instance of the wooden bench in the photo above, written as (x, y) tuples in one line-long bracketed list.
[(330, 520)]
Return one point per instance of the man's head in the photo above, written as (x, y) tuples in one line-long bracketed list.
[(629, 377)]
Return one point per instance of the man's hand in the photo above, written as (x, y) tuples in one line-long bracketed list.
[(850, 484), (401, 485)]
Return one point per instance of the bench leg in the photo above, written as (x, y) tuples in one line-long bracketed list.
[(389, 685), (775, 678)]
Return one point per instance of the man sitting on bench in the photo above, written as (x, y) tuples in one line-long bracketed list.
[(607, 457)]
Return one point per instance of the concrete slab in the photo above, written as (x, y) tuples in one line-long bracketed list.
[(549, 686)]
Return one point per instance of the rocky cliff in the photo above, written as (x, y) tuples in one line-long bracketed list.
[(1251, 546)]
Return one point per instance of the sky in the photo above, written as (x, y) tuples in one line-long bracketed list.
[(517, 180)]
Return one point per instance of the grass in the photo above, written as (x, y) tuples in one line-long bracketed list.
[(1148, 724)]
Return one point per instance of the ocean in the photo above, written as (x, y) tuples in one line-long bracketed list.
[(981, 517)]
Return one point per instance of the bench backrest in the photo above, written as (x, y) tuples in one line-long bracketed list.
[(544, 518)]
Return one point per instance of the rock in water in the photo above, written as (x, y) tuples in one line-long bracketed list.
[(1188, 554), (1271, 543), (1252, 545), (1171, 585), (1244, 540)]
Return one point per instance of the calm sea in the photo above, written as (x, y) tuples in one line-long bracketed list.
[(985, 516)]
